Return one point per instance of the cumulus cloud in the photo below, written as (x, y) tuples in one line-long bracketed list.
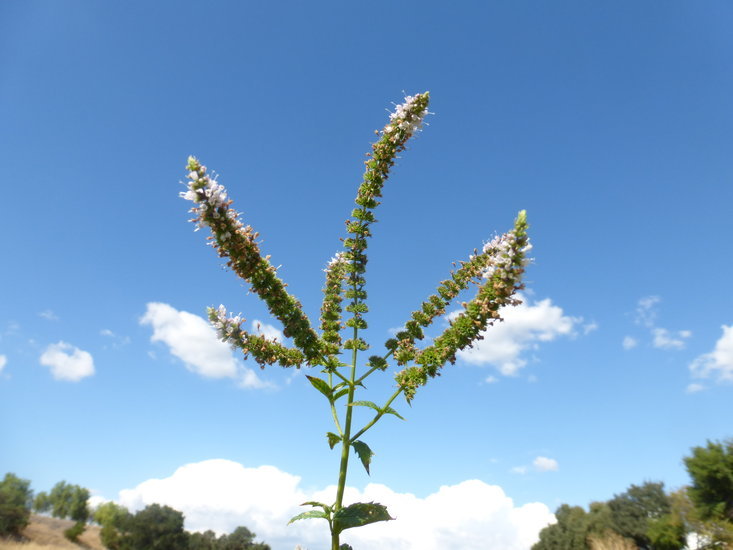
[(718, 364), (629, 342), (664, 339), (268, 331), (646, 315), (544, 464), (67, 362), (523, 328), (221, 495), (191, 339), (3, 362)]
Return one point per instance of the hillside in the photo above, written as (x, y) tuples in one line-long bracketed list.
[(44, 533)]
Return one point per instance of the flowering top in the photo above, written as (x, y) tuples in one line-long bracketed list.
[(407, 117), (237, 242), (331, 307), (502, 250), (501, 265), (404, 122)]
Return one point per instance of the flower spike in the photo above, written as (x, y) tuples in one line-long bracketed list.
[(237, 243), (501, 265)]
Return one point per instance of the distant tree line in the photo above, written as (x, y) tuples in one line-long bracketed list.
[(161, 528), (154, 527), (646, 517)]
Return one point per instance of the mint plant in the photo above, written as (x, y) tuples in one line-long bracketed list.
[(496, 271)]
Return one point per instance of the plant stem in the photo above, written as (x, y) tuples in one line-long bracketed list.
[(378, 415)]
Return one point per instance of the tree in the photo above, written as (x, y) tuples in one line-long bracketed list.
[(633, 510), (69, 501), (241, 539), (113, 518), (711, 470), (155, 527), (667, 532), (203, 541), (42, 502), (15, 504), (569, 533)]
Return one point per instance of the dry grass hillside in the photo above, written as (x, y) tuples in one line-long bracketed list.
[(45, 533)]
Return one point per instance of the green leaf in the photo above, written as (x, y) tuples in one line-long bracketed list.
[(369, 404), (308, 515), (390, 410), (364, 452), (358, 514), (345, 546), (321, 385), (339, 394), (326, 507), (332, 439)]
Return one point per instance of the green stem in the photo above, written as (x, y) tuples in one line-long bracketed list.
[(378, 416), (367, 373), (341, 376), (345, 443), (333, 409)]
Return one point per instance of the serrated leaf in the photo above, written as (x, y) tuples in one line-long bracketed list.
[(364, 452), (390, 410), (320, 385), (358, 514), (308, 515), (326, 507), (333, 439), (369, 404)]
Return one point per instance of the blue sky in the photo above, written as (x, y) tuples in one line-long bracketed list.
[(612, 125)]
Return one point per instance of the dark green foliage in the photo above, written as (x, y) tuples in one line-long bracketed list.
[(74, 532), (711, 470), (15, 504), (633, 510), (569, 533), (358, 514), (203, 541), (69, 501), (667, 533), (42, 503), (155, 527), (113, 518)]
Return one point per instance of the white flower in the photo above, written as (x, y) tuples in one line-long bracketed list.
[(333, 262)]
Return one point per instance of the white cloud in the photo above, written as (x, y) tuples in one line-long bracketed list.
[(67, 362), (192, 340), (491, 380), (590, 327), (664, 339), (521, 470), (117, 341), (268, 331), (523, 327), (694, 388), (221, 495), (3, 362), (544, 464), (48, 315), (629, 342), (646, 314), (718, 364)]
